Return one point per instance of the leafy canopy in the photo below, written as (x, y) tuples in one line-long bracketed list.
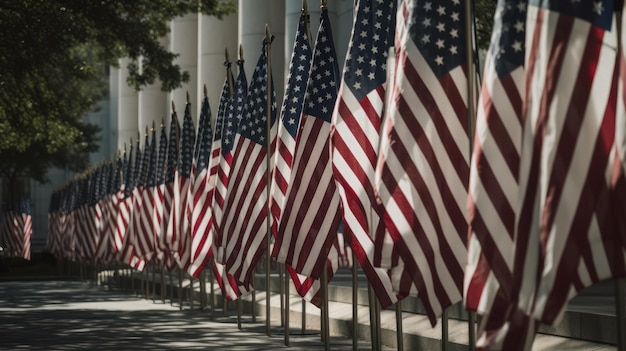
[(53, 60)]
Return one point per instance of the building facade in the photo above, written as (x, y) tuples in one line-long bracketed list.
[(200, 41)]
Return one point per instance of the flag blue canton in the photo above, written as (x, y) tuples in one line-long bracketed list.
[(298, 76), (128, 172), (235, 110), (138, 164), (205, 133), (186, 144), (366, 64), (508, 36), (151, 179), (223, 104), (145, 162), (116, 179), (437, 29), (597, 12), (253, 125), (321, 92), (25, 206), (162, 158), (172, 149)]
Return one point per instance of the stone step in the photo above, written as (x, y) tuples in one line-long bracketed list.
[(587, 324)]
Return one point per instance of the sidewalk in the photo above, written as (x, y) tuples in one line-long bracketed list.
[(65, 315)]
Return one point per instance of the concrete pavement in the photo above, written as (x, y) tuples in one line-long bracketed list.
[(68, 315)]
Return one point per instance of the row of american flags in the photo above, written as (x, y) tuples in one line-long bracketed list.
[(17, 228), (513, 220)]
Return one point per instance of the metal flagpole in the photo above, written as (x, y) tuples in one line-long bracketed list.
[(355, 304), (202, 290), (399, 332), (162, 284), (620, 305), (282, 295), (471, 112), (287, 309), (444, 330), (268, 176), (211, 293), (180, 288), (326, 328), (371, 304)]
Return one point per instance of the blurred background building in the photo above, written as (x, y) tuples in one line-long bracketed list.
[(200, 41)]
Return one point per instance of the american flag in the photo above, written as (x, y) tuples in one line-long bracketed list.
[(143, 228), (494, 169), (231, 290), (232, 115), (243, 222), (178, 226), (123, 204), (355, 137), (291, 112), (310, 219), (159, 196), (105, 252), (130, 193), (18, 229), (168, 239), (201, 195), (564, 219), (424, 155)]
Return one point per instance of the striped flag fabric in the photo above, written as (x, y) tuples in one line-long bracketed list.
[(105, 252), (494, 169), (564, 217), (232, 116), (159, 196), (291, 112), (140, 228), (178, 226), (311, 215), (228, 285), (124, 201), (357, 120), (243, 226), (201, 193), (424, 155), (131, 193), (18, 229), (168, 238)]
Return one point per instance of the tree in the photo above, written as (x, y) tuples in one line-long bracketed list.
[(53, 59)]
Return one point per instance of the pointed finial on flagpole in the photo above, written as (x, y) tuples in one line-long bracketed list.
[(147, 130), (305, 6), (131, 140), (173, 107), (162, 121), (226, 56), (138, 138), (153, 128), (240, 52), (324, 5), (188, 99), (268, 36), (206, 94)]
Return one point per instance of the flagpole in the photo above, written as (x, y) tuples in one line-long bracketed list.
[(355, 304), (268, 176), (471, 111), (620, 305), (399, 332), (287, 309)]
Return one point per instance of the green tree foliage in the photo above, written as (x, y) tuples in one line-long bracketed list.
[(53, 59), (483, 11)]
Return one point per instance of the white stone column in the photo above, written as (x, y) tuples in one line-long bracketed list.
[(213, 36), (114, 140), (128, 107), (253, 15), (153, 103), (184, 41), (342, 28)]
